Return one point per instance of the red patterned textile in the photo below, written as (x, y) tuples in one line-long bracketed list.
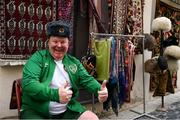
[(118, 18), (65, 14), (134, 24), (23, 27)]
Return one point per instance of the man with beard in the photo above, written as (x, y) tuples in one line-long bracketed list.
[(51, 79)]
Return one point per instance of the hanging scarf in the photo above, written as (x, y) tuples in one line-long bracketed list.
[(112, 85), (122, 75), (102, 53)]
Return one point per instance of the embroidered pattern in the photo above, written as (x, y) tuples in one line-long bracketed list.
[(73, 68), (23, 27)]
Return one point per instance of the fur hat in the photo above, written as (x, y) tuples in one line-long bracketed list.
[(149, 42), (57, 28), (161, 23), (151, 65), (172, 40), (162, 63), (172, 64), (172, 52)]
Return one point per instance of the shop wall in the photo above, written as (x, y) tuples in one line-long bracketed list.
[(7, 75)]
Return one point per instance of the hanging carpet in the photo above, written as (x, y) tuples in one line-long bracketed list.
[(65, 15), (23, 27)]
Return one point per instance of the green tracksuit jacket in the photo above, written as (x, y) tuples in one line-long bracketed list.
[(37, 76)]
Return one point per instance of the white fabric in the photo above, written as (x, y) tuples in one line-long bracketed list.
[(12, 62), (60, 78)]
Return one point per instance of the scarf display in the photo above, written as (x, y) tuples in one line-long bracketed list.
[(115, 63), (23, 27)]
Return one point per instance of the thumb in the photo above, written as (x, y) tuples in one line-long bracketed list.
[(103, 84), (66, 85)]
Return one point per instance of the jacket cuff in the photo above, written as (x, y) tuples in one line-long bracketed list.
[(55, 95)]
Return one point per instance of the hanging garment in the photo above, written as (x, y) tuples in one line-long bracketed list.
[(118, 17), (112, 85), (153, 82), (105, 18), (122, 81), (102, 53), (134, 22), (125, 69), (112, 97), (94, 12), (164, 84), (129, 67), (174, 78)]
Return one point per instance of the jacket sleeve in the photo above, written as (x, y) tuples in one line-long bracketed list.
[(87, 81), (31, 84)]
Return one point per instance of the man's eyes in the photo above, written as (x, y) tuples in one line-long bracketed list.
[(62, 42)]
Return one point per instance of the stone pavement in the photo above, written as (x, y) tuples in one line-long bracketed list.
[(153, 109)]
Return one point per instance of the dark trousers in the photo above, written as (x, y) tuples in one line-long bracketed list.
[(68, 114)]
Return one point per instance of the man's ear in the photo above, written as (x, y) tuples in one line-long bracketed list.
[(47, 44)]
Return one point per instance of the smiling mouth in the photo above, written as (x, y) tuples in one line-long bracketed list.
[(57, 51)]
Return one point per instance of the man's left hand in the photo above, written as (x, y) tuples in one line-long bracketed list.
[(103, 93)]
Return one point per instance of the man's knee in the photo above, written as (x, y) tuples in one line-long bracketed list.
[(88, 115)]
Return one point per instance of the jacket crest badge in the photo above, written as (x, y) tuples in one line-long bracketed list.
[(73, 68)]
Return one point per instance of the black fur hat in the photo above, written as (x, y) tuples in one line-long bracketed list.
[(172, 40), (57, 28)]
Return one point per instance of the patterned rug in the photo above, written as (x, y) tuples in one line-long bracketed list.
[(23, 27), (172, 113)]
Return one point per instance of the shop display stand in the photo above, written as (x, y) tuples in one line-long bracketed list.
[(142, 115), (162, 108)]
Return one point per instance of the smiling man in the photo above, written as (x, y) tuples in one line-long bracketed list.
[(51, 79)]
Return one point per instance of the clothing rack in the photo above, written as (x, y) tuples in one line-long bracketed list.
[(106, 34), (92, 34)]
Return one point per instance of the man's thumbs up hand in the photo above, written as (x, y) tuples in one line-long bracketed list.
[(103, 93), (65, 93), (103, 86)]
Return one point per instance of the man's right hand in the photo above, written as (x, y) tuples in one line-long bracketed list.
[(65, 93)]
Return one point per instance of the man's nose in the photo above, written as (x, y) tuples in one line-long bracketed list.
[(59, 44)]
